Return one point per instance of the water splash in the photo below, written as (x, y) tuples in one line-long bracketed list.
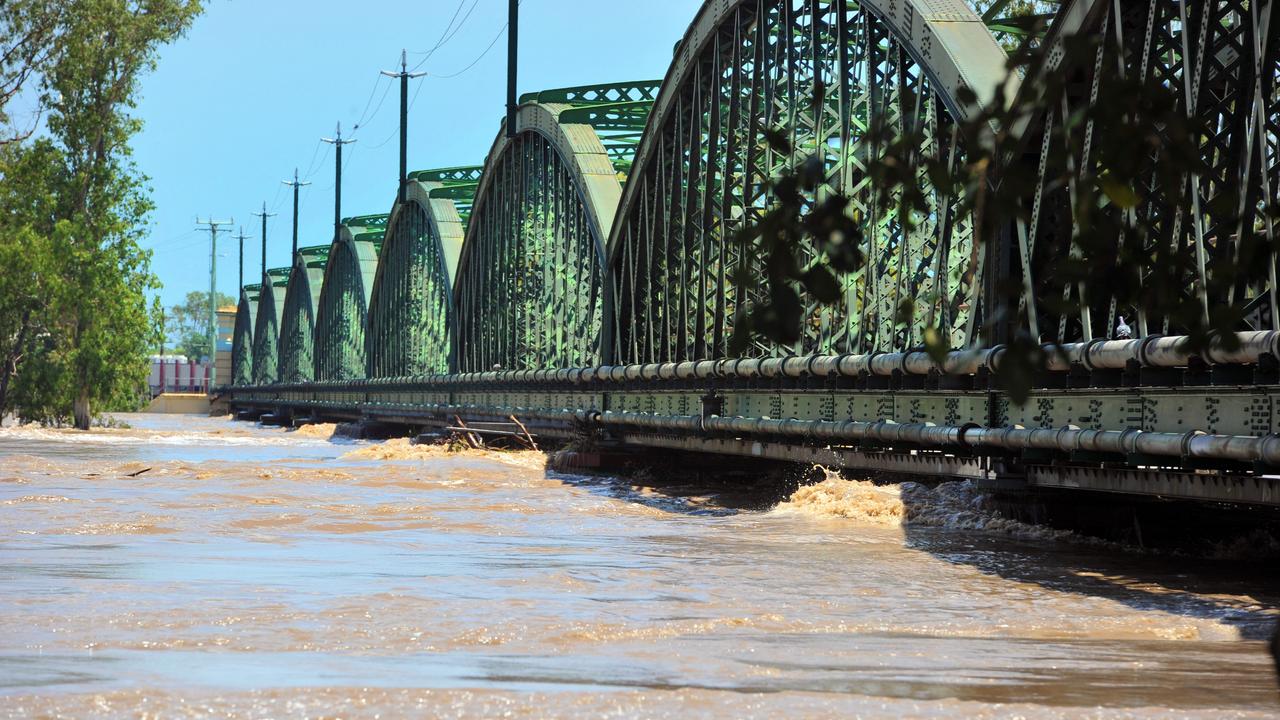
[(955, 505)]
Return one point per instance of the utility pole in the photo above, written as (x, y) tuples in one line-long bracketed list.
[(242, 238), (337, 143), (264, 215), (404, 76), (513, 44), (213, 294), (295, 184)]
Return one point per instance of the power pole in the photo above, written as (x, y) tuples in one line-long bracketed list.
[(242, 238), (213, 295), (264, 215), (404, 76), (337, 143), (513, 44), (295, 184)]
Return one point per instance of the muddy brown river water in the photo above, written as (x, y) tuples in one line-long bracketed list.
[(196, 567)]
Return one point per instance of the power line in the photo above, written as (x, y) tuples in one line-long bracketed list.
[(460, 24), (478, 59), (440, 42), (170, 242), (312, 166), (376, 82), (382, 99)]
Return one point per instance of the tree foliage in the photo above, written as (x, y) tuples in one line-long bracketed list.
[(76, 325), (29, 33), (186, 324)]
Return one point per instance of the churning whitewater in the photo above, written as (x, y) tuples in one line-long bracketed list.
[(200, 567)]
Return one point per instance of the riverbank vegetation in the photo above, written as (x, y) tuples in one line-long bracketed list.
[(75, 325)]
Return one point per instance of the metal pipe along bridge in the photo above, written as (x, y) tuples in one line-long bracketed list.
[(579, 279)]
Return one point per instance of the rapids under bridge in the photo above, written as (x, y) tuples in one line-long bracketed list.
[(579, 279)]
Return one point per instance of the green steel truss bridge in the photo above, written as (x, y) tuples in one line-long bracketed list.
[(579, 279)]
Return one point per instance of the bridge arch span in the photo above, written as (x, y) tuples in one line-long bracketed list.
[(242, 336), (530, 290), (410, 311), (1231, 68), (266, 326), (342, 308), (297, 322), (702, 171)]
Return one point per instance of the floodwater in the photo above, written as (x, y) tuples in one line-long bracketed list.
[(193, 567)]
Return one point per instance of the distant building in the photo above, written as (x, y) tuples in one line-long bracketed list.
[(180, 374), (226, 329), (177, 373)]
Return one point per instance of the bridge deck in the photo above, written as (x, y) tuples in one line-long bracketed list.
[(1213, 442)]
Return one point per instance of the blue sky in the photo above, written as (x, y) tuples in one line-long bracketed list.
[(245, 97)]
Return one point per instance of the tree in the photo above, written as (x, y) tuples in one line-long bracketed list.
[(82, 327), (29, 181), (29, 31), (187, 324)]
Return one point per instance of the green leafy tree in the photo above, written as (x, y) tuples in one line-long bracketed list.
[(29, 179), (29, 34), (78, 339), (187, 324)]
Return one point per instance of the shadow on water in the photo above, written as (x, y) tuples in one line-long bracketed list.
[(1176, 558), (693, 484)]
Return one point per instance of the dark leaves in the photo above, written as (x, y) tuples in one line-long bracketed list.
[(1118, 169), (822, 284)]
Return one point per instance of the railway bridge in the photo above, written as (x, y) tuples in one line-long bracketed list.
[(580, 280)]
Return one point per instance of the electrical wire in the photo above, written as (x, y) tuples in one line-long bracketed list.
[(374, 91), (170, 242), (364, 121), (461, 22), (396, 132), (441, 41), (478, 58), (317, 159)]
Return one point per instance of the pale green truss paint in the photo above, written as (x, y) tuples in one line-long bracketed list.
[(343, 302), (242, 339), (297, 330), (702, 175), (530, 291), (266, 330), (410, 328)]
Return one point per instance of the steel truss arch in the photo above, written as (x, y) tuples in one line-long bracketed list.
[(410, 309), (702, 171), (242, 336), (529, 291), (266, 327), (342, 308), (297, 324), (1221, 60)]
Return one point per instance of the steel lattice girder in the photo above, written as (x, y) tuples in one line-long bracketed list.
[(701, 172), (617, 111), (1222, 57), (529, 287), (301, 300), (342, 306), (242, 339), (410, 315), (266, 329)]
